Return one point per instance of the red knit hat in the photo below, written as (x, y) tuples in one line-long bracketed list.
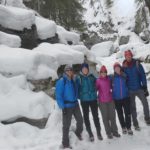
[(117, 65), (128, 53), (103, 69)]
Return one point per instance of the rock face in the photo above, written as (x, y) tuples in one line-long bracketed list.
[(28, 36), (40, 123), (124, 40)]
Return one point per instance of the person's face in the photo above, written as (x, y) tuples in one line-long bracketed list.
[(85, 71), (128, 58), (70, 73), (103, 73), (117, 70)]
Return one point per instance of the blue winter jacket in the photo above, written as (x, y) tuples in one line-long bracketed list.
[(120, 89), (66, 92), (136, 78), (87, 87)]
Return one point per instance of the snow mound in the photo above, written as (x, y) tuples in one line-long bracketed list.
[(10, 40), (80, 48), (45, 28), (14, 3), (17, 100), (15, 61), (66, 36), (62, 53), (103, 49), (16, 18)]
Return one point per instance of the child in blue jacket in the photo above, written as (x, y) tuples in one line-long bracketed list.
[(121, 98)]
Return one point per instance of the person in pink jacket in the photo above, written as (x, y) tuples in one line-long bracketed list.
[(106, 104)]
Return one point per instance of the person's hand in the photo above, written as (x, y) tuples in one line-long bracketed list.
[(64, 111), (146, 93)]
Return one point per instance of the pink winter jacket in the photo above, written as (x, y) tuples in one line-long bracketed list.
[(103, 85)]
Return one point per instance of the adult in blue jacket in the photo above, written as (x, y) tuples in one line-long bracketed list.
[(137, 84), (66, 96), (121, 98), (88, 98)]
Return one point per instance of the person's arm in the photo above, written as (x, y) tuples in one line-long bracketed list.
[(142, 76), (60, 93)]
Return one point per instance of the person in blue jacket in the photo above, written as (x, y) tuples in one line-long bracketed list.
[(66, 96), (121, 98), (88, 98), (137, 84)]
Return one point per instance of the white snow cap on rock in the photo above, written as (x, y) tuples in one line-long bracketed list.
[(14, 3), (45, 28), (65, 36), (16, 18), (103, 49), (33, 64), (64, 54), (17, 100), (10, 40)]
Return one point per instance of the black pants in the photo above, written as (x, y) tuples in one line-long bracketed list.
[(123, 111), (86, 106), (67, 117)]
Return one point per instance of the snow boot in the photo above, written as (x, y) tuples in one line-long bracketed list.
[(110, 136), (137, 128), (124, 130), (99, 136), (116, 135), (79, 136), (130, 132)]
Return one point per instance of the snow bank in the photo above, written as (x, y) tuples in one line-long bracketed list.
[(103, 49), (16, 61), (65, 36), (17, 18), (14, 3), (45, 28), (10, 40), (62, 53), (17, 100), (80, 48)]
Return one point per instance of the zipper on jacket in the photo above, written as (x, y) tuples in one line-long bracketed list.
[(121, 87)]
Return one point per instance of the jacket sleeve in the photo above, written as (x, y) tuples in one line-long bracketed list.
[(78, 84), (59, 93), (142, 75), (97, 85)]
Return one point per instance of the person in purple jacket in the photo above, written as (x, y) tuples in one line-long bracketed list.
[(121, 98), (106, 104)]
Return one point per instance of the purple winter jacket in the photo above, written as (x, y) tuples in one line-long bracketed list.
[(104, 88)]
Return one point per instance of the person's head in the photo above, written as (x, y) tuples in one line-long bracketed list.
[(85, 68), (128, 55), (117, 68), (103, 71), (69, 71)]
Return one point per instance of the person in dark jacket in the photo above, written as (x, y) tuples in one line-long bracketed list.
[(121, 99), (66, 96), (88, 98), (137, 84)]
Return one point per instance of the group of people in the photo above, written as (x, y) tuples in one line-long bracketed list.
[(115, 92)]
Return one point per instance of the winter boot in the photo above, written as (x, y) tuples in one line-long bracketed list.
[(116, 135), (130, 132), (99, 136), (124, 130), (79, 136), (137, 128)]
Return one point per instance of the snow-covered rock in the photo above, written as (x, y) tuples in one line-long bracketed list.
[(103, 49), (45, 28), (16, 18), (62, 53), (67, 36), (10, 40), (17, 100), (14, 3), (80, 48), (34, 65)]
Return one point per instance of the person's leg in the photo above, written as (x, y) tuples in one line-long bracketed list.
[(119, 108), (85, 109), (133, 109), (79, 120), (112, 118), (104, 112), (141, 96), (94, 109), (66, 116), (126, 106)]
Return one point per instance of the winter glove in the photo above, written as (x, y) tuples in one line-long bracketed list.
[(146, 93), (64, 111)]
